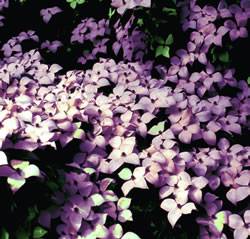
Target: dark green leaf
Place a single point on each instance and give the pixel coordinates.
(169, 11)
(22, 234)
(169, 40)
(32, 213)
(4, 234)
(140, 22)
(224, 57)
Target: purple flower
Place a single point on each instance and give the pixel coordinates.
(235, 31)
(230, 124)
(240, 226)
(175, 211)
(185, 128)
(223, 10)
(51, 46)
(4, 4)
(129, 4)
(240, 189)
(49, 12)
(137, 181)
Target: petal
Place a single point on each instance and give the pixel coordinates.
(231, 196)
(243, 32)
(3, 158)
(241, 233)
(209, 137)
(247, 216)
(193, 128)
(132, 159)
(185, 137)
(168, 204)
(242, 193)
(235, 128)
(144, 104)
(187, 208)
(195, 195)
(31, 171)
(141, 183)
(15, 184)
(127, 186)
(45, 219)
(184, 180)
(244, 179)
(174, 215)
(147, 117)
(127, 116)
(47, 17)
(214, 182)
(115, 164)
(223, 144)
(235, 221)
(130, 235)
(6, 171)
(115, 155)
(181, 196)
(165, 191)
(75, 220)
(199, 182)
(139, 172)
(115, 142)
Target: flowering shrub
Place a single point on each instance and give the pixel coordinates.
(94, 116)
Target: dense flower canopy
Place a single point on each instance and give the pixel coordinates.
(135, 122)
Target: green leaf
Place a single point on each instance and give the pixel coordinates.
(224, 57)
(39, 232)
(169, 11)
(100, 231)
(117, 231)
(157, 129)
(169, 40)
(140, 22)
(111, 12)
(97, 199)
(79, 134)
(125, 174)
(125, 215)
(162, 51)
(89, 170)
(123, 203)
(220, 220)
(248, 80)
(4, 234)
(73, 5)
(213, 58)
(15, 184)
(20, 164)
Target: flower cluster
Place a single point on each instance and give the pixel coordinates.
(192, 125)
(122, 6)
